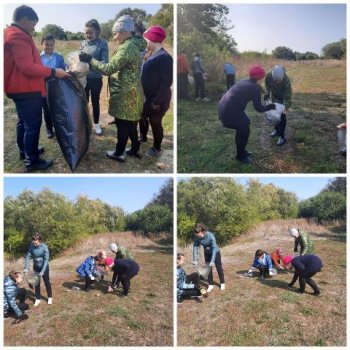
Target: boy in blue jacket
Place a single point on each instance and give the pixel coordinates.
(87, 270)
(11, 292)
(263, 263)
(50, 59)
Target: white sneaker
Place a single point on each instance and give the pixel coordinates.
(210, 288)
(205, 99)
(49, 301)
(274, 133)
(98, 130)
(222, 287)
(37, 302)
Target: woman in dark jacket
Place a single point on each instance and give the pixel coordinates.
(306, 266)
(233, 104)
(97, 48)
(157, 77)
(40, 254)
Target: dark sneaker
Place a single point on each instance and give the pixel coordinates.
(316, 293)
(6, 316)
(113, 155)
(20, 319)
(41, 150)
(244, 160)
(50, 134)
(248, 153)
(180, 301)
(131, 153)
(152, 152)
(281, 141)
(42, 164)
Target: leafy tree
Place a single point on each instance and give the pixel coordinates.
(54, 30)
(335, 50)
(165, 196)
(106, 30)
(284, 53)
(337, 185)
(135, 13)
(164, 17)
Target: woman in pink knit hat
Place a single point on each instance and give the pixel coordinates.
(232, 109)
(157, 77)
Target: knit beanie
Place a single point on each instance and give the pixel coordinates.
(155, 34)
(113, 247)
(287, 259)
(294, 232)
(109, 261)
(256, 72)
(277, 73)
(123, 24)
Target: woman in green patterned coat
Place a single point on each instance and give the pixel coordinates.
(126, 97)
(303, 240)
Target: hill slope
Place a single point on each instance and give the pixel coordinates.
(254, 313)
(77, 318)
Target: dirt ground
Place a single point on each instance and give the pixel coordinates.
(77, 318)
(251, 312)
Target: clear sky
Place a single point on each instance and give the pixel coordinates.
(303, 187)
(301, 27)
(131, 193)
(72, 17)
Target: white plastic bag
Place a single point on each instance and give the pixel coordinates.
(190, 79)
(274, 116)
(341, 132)
(80, 69)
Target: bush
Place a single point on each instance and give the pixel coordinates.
(283, 52)
(336, 50)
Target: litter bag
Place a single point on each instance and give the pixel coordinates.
(274, 116)
(80, 69)
(32, 278)
(70, 116)
(203, 271)
(341, 133)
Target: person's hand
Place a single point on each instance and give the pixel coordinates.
(21, 318)
(85, 57)
(41, 274)
(25, 271)
(60, 73)
(195, 263)
(266, 97)
(92, 278)
(271, 106)
(110, 289)
(212, 264)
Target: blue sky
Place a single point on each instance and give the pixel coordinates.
(301, 27)
(129, 193)
(72, 17)
(303, 187)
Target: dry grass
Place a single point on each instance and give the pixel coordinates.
(77, 318)
(254, 313)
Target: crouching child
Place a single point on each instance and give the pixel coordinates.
(262, 262)
(87, 270)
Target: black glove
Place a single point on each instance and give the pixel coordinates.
(266, 97)
(21, 318)
(271, 106)
(85, 57)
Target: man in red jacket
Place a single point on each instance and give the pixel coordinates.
(24, 79)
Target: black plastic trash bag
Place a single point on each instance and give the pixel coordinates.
(70, 116)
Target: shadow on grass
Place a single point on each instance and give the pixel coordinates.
(337, 236)
(100, 286)
(275, 283)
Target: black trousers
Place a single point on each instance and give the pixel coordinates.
(88, 283)
(281, 126)
(157, 129)
(182, 86)
(230, 80)
(46, 278)
(306, 279)
(126, 129)
(125, 281)
(218, 265)
(263, 270)
(242, 136)
(94, 87)
(47, 116)
(198, 85)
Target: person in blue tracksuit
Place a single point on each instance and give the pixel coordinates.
(88, 268)
(123, 271)
(11, 292)
(306, 266)
(50, 59)
(39, 252)
(262, 262)
(187, 285)
(230, 73)
(212, 254)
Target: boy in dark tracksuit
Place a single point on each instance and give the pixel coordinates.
(279, 89)
(123, 271)
(233, 104)
(306, 266)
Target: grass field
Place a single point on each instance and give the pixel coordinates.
(254, 313)
(318, 106)
(77, 318)
(95, 161)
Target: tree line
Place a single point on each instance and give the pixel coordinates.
(63, 222)
(230, 208)
(163, 17)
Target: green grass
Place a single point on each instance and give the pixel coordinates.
(318, 106)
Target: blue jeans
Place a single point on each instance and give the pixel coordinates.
(29, 113)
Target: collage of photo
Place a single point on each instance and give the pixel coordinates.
(174, 175)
